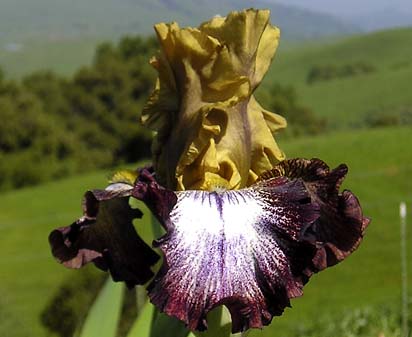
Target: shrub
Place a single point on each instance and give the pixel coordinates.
(328, 72)
(62, 126)
(389, 117)
(283, 101)
(68, 308)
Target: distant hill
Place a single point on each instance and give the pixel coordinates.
(24, 19)
(62, 35)
(369, 15)
(381, 19)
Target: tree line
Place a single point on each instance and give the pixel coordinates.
(52, 126)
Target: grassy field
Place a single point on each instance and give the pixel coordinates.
(28, 273)
(345, 102)
(380, 164)
(63, 56)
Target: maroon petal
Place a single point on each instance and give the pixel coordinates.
(227, 248)
(106, 236)
(341, 225)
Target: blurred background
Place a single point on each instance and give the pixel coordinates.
(74, 76)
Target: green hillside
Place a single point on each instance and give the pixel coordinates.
(345, 102)
(348, 101)
(48, 18)
(63, 56)
(380, 164)
(62, 35)
(28, 274)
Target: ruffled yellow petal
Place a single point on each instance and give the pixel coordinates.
(211, 132)
(265, 151)
(123, 176)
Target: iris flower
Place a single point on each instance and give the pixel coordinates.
(244, 227)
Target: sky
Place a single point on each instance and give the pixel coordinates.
(351, 7)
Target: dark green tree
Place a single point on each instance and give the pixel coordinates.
(62, 126)
(283, 101)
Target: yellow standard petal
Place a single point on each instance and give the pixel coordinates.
(211, 132)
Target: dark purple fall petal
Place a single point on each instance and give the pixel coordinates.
(106, 236)
(341, 225)
(159, 199)
(224, 248)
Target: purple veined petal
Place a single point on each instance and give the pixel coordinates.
(229, 248)
(105, 235)
(252, 249)
(341, 224)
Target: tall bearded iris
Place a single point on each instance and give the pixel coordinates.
(244, 227)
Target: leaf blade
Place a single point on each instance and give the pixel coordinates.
(103, 317)
(143, 323)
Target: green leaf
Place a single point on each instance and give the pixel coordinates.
(219, 324)
(144, 225)
(105, 313)
(157, 228)
(223, 332)
(142, 325)
(164, 325)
